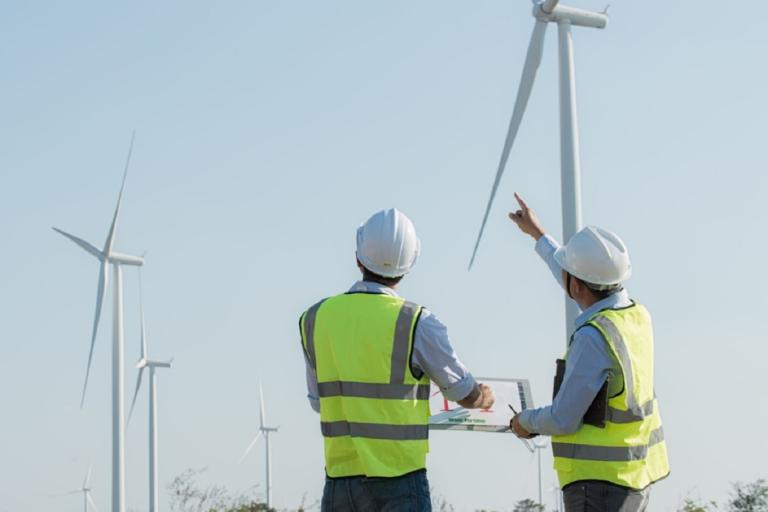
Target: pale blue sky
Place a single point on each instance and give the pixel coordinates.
(267, 131)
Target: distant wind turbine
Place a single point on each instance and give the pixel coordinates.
(539, 444)
(86, 490)
(108, 256)
(145, 362)
(263, 429)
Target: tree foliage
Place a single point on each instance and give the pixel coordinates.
(188, 495)
(528, 505)
(689, 505)
(752, 497)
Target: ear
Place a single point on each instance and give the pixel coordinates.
(577, 285)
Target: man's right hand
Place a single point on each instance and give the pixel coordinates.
(481, 397)
(526, 219)
(488, 398)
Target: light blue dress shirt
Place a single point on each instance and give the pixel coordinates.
(590, 363)
(432, 354)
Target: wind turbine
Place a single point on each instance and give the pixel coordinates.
(86, 490)
(546, 12)
(265, 431)
(539, 444)
(108, 256)
(145, 362)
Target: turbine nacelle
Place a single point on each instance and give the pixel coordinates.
(125, 259)
(559, 13)
(104, 254)
(149, 363)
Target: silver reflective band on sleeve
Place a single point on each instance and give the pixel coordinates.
(309, 332)
(370, 390)
(607, 453)
(375, 430)
(402, 341)
(619, 416)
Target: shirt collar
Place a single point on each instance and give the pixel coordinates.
(371, 287)
(617, 300)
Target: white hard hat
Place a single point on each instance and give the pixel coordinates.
(596, 256)
(387, 244)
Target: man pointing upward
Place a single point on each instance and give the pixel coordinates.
(607, 439)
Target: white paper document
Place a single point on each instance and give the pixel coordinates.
(447, 415)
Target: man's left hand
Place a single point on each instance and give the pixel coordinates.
(518, 429)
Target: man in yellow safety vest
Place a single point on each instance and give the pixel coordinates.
(370, 356)
(607, 438)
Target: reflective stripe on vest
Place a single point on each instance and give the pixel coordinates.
(607, 453)
(634, 411)
(374, 412)
(400, 351)
(630, 450)
(369, 390)
(309, 333)
(375, 430)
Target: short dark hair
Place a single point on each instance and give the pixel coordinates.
(376, 278)
(601, 292)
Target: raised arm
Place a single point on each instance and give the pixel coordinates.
(528, 222)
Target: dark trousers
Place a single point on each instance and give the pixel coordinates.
(596, 496)
(407, 493)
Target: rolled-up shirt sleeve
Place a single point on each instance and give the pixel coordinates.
(434, 356)
(589, 365)
(545, 248)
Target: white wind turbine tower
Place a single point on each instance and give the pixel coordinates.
(145, 362)
(263, 429)
(539, 444)
(108, 256)
(86, 490)
(546, 12)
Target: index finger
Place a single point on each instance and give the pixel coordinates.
(522, 203)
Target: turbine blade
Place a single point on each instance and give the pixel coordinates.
(136, 392)
(532, 61)
(250, 446)
(111, 236)
(261, 405)
(100, 294)
(87, 476)
(90, 500)
(82, 243)
(70, 493)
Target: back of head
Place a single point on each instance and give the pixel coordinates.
(596, 256)
(387, 244)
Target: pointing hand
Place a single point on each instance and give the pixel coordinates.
(526, 219)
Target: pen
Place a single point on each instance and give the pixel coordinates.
(513, 409)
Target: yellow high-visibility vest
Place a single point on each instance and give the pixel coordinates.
(630, 450)
(374, 412)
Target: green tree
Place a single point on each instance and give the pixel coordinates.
(528, 505)
(689, 505)
(439, 503)
(188, 495)
(752, 497)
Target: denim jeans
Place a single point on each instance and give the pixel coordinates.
(596, 496)
(407, 493)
